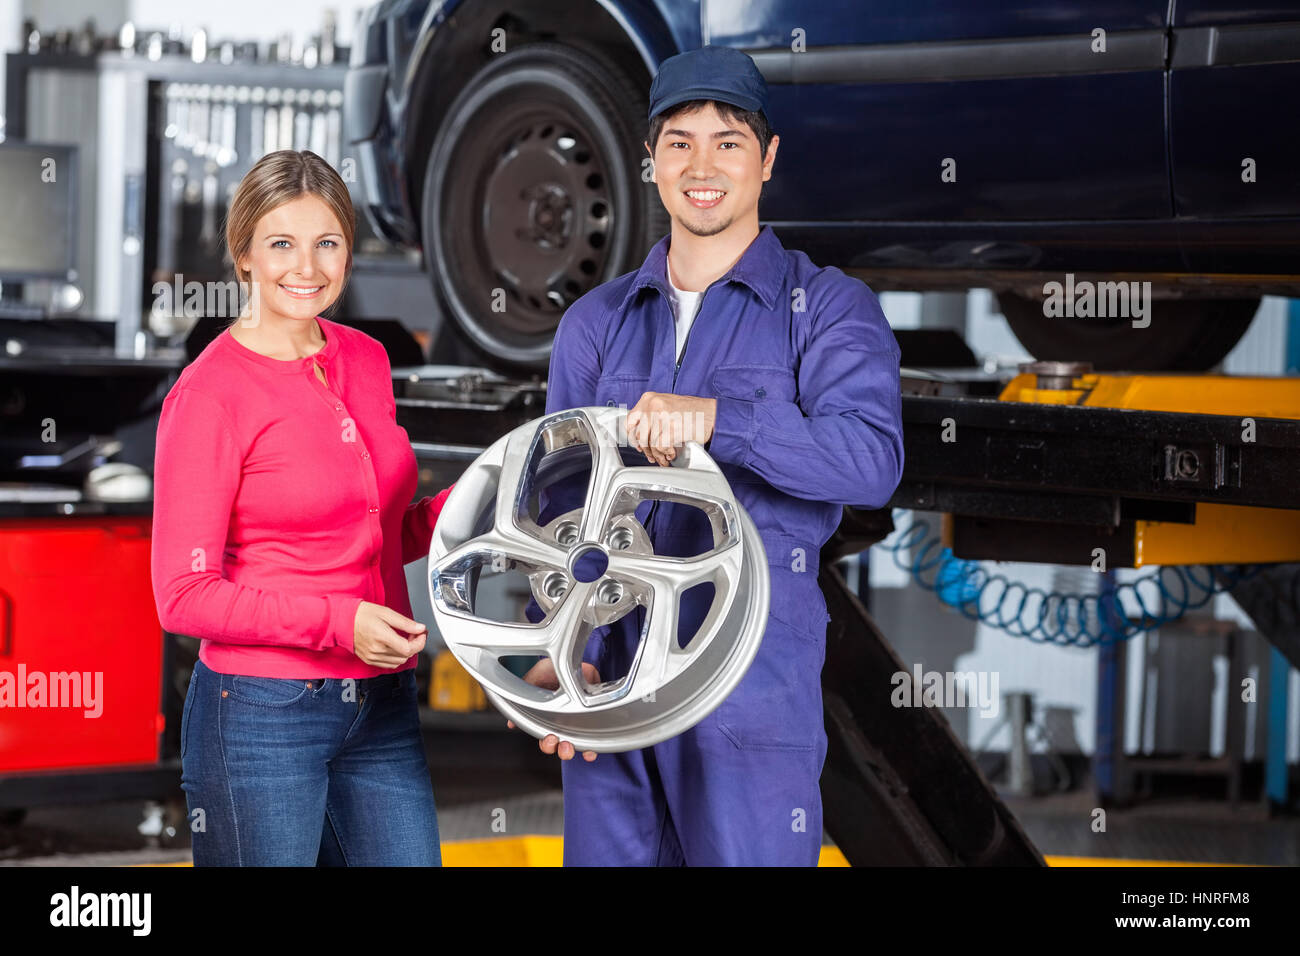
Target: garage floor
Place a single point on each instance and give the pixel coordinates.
(479, 770)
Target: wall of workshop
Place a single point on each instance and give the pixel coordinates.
(230, 19)
(248, 19)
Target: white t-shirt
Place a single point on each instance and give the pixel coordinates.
(685, 306)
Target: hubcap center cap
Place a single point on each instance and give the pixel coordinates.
(588, 563)
(550, 215)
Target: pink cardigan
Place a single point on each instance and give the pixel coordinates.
(281, 504)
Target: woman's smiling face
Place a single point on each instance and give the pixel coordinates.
(298, 260)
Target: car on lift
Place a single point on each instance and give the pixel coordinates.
(925, 144)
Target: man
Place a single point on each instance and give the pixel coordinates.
(788, 374)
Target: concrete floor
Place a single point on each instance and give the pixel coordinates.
(480, 769)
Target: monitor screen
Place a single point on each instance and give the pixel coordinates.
(37, 203)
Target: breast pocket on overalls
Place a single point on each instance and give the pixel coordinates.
(755, 383)
(620, 389)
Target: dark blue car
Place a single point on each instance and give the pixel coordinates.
(925, 144)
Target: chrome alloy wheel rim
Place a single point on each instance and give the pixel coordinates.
(589, 567)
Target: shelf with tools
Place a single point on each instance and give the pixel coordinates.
(209, 131)
(164, 175)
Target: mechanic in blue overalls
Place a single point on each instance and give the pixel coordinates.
(792, 373)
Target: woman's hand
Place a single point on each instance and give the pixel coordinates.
(542, 674)
(377, 636)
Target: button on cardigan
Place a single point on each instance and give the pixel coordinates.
(281, 503)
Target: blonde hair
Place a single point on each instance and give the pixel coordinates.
(278, 178)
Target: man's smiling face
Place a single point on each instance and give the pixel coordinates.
(710, 170)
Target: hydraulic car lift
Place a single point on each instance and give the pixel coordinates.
(1153, 469)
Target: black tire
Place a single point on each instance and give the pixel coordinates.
(533, 186)
(1185, 335)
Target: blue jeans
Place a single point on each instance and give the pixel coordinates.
(317, 771)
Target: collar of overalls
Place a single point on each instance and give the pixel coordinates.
(761, 267)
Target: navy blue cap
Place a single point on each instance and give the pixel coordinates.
(720, 73)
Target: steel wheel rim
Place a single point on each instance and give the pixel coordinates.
(499, 114)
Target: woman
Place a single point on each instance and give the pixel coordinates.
(282, 521)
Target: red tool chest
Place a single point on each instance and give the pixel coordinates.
(76, 598)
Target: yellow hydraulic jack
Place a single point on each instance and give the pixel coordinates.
(1221, 534)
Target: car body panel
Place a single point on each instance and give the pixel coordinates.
(1065, 157)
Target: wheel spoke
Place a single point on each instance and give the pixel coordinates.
(528, 548)
(674, 574)
(514, 466)
(607, 466)
(569, 625)
(568, 666)
(499, 552)
(652, 662)
(500, 638)
(686, 483)
(660, 659)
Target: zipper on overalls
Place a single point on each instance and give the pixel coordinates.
(686, 343)
(677, 367)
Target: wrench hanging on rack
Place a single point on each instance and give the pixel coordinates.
(285, 136)
(334, 129)
(302, 121)
(271, 135)
(257, 129)
(318, 124)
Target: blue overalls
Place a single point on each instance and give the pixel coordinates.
(805, 370)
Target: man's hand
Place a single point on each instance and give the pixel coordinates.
(377, 636)
(542, 674)
(661, 422)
